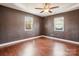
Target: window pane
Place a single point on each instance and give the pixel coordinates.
(59, 24)
(28, 23)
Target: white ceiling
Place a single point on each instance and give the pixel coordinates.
(30, 7)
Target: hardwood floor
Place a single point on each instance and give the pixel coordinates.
(41, 47)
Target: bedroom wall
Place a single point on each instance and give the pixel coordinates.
(12, 25)
(71, 20)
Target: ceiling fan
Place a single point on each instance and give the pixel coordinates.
(47, 8)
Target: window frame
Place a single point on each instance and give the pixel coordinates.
(25, 23)
(61, 21)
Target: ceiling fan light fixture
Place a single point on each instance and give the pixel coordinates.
(46, 10)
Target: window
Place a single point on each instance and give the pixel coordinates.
(59, 24)
(28, 24)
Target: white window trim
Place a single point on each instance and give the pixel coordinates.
(54, 24)
(27, 17)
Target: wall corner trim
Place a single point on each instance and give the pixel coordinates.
(18, 41)
(59, 39)
(49, 37)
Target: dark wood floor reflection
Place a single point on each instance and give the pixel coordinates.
(41, 47)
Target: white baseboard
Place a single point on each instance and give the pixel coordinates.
(59, 39)
(22, 40)
(18, 41)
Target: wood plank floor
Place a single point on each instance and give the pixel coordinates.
(41, 47)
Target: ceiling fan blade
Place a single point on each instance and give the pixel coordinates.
(54, 7)
(38, 8)
(50, 11)
(41, 11)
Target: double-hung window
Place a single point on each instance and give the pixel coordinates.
(59, 24)
(28, 23)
